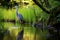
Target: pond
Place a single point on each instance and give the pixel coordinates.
(15, 28)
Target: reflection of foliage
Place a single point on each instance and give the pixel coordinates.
(3, 32)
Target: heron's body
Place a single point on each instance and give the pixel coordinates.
(19, 16)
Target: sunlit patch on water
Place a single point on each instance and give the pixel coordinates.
(28, 36)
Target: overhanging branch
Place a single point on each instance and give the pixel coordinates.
(36, 2)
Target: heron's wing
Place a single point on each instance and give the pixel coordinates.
(20, 16)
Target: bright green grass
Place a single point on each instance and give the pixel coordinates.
(28, 13)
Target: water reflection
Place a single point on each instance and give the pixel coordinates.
(14, 29)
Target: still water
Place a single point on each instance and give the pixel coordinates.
(15, 28)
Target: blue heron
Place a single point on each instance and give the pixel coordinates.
(19, 15)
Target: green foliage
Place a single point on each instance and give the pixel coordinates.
(29, 15)
(58, 18)
(54, 3)
(1, 15)
(57, 0)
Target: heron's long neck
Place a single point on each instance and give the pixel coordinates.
(16, 9)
